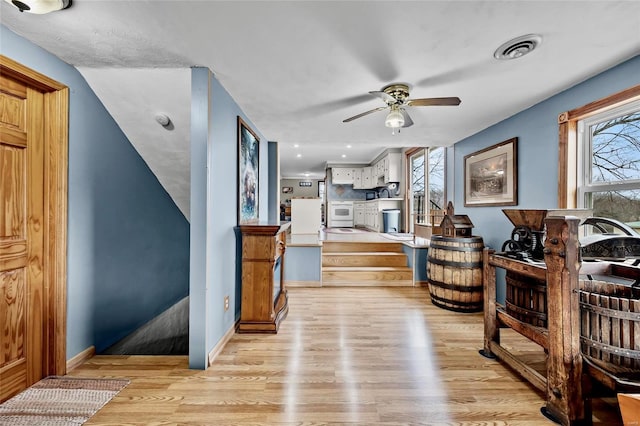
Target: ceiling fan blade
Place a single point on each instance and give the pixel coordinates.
(384, 96)
(363, 114)
(434, 101)
(408, 122)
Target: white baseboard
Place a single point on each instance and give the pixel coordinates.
(81, 358)
(221, 344)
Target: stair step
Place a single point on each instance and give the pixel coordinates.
(355, 246)
(364, 259)
(366, 276)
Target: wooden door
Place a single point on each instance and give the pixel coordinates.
(22, 281)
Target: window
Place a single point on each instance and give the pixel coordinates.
(599, 158)
(609, 164)
(426, 177)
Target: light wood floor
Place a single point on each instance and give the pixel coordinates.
(343, 356)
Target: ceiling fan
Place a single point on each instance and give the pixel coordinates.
(396, 96)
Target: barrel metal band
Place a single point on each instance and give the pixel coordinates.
(471, 239)
(613, 313)
(537, 286)
(461, 306)
(526, 312)
(474, 265)
(454, 248)
(468, 289)
(613, 350)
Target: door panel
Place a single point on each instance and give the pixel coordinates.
(22, 298)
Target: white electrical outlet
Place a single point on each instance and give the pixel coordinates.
(226, 303)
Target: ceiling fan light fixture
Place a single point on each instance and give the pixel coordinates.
(39, 7)
(394, 119)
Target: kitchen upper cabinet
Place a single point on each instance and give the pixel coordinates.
(388, 168)
(377, 171)
(358, 183)
(367, 178)
(343, 175)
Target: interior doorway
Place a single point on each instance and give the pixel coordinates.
(33, 237)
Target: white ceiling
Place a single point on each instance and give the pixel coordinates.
(298, 68)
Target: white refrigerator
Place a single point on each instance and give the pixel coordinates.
(305, 215)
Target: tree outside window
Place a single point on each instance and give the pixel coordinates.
(611, 182)
(427, 168)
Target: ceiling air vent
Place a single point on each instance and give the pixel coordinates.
(518, 47)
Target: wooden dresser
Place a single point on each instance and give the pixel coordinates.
(264, 297)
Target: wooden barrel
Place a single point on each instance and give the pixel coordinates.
(526, 299)
(610, 327)
(454, 271)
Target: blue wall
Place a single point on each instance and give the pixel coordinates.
(537, 131)
(303, 263)
(214, 210)
(127, 241)
(419, 256)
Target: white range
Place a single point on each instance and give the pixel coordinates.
(341, 214)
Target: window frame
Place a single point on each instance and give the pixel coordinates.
(585, 184)
(568, 145)
(409, 154)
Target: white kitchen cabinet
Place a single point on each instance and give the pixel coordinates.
(367, 178)
(373, 212)
(378, 170)
(370, 214)
(358, 213)
(343, 175)
(358, 182)
(388, 168)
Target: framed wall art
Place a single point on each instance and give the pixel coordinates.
(248, 173)
(491, 175)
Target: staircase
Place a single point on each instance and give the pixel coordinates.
(364, 264)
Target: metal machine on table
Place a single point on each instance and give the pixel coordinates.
(590, 264)
(602, 239)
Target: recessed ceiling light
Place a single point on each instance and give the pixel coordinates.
(296, 145)
(518, 47)
(349, 146)
(344, 155)
(306, 174)
(299, 155)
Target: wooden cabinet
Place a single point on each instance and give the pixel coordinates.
(264, 297)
